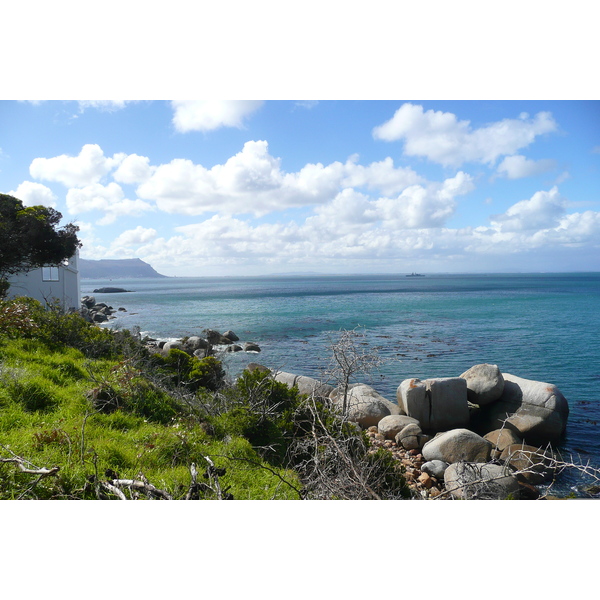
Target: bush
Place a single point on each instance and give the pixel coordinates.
(27, 318)
(189, 371)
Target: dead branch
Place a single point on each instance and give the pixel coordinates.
(138, 485)
(20, 462)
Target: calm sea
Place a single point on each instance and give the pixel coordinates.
(538, 326)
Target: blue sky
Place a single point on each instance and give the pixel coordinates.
(258, 187)
(413, 145)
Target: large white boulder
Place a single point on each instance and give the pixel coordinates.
(537, 410)
(364, 405)
(457, 445)
(392, 424)
(480, 481)
(305, 385)
(438, 404)
(485, 384)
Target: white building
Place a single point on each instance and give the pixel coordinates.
(48, 284)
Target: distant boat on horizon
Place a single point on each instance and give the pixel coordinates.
(416, 275)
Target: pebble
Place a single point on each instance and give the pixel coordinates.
(421, 484)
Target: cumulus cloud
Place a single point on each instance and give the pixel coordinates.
(75, 171)
(33, 194)
(133, 169)
(206, 115)
(424, 206)
(518, 166)
(109, 199)
(134, 237)
(253, 182)
(442, 138)
(543, 210)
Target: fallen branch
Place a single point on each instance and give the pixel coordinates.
(20, 462)
(137, 485)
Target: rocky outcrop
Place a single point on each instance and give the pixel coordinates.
(96, 312)
(537, 411)
(110, 290)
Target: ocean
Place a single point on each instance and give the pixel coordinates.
(537, 326)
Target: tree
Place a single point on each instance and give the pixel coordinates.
(350, 356)
(30, 238)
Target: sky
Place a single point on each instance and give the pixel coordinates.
(316, 137)
(209, 187)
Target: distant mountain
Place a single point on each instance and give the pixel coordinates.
(126, 268)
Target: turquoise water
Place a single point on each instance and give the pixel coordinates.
(541, 326)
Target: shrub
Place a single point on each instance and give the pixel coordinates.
(192, 372)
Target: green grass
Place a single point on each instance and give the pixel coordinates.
(48, 417)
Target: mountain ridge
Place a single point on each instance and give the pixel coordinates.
(123, 268)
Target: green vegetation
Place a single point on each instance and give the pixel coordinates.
(86, 413)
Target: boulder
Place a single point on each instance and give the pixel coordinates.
(195, 342)
(231, 336)
(308, 385)
(533, 464)
(457, 445)
(484, 384)
(175, 344)
(501, 438)
(412, 399)
(250, 347)
(435, 468)
(288, 378)
(480, 481)
(257, 367)
(409, 437)
(365, 406)
(305, 385)
(393, 424)
(215, 338)
(234, 348)
(438, 404)
(88, 301)
(537, 410)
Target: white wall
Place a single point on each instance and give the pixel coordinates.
(66, 289)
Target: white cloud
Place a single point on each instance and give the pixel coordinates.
(424, 207)
(381, 175)
(134, 237)
(518, 166)
(253, 182)
(103, 105)
(108, 199)
(75, 171)
(133, 169)
(543, 210)
(206, 115)
(442, 138)
(33, 194)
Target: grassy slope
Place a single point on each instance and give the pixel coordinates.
(47, 418)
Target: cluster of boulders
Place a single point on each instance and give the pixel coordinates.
(484, 434)
(97, 312)
(205, 346)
